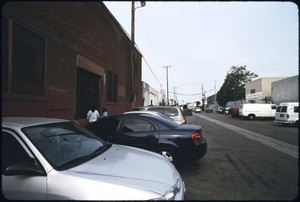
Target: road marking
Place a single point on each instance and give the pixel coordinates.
(281, 146)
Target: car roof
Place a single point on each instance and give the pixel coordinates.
(163, 106)
(20, 122)
(142, 112)
(147, 113)
(159, 117)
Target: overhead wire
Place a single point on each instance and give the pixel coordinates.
(150, 39)
(158, 61)
(152, 71)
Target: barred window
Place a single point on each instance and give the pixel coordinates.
(111, 87)
(27, 61)
(88, 92)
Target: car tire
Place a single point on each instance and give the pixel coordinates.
(168, 153)
(251, 116)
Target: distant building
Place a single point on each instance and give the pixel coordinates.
(285, 90)
(162, 97)
(152, 96)
(259, 91)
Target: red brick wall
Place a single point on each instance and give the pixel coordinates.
(72, 29)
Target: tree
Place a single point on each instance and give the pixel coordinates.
(233, 86)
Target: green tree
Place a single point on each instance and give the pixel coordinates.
(233, 86)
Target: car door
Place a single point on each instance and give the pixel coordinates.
(137, 132)
(105, 127)
(30, 185)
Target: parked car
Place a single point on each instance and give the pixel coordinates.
(287, 113)
(226, 111)
(174, 112)
(197, 109)
(234, 112)
(149, 112)
(139, 109)
(254, 110)
(174, 141)
(220, 110)
(186, 111)
(55, 159)
(209, 110)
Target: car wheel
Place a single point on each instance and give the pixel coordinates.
(169, 153)
(251, 116)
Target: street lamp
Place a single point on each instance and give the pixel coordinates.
(132, 96)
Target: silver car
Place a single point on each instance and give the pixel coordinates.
(55, 159)
(174, 112)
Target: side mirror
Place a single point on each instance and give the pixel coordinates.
(24, 168)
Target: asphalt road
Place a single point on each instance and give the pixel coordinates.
(246, 160)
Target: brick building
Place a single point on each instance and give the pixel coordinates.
(61, 58)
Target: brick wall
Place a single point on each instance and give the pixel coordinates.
(72, 29)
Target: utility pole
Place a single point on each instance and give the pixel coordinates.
(174, 94)
(215, 93)
(203, 99)
(132, 55)
(167, 67)
(132, 93)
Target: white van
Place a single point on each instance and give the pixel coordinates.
(287, 113)
(253, 110)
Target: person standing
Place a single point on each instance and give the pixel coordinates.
(92, 115)
(104, 112)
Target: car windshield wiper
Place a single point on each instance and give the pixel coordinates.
(100, 150)
(85, 158)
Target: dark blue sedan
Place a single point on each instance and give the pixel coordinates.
(155, 133)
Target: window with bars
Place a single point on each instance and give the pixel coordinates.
(26, 74)
(88, 92)
(111, 87)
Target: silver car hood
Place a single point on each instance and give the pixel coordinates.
(131, 167)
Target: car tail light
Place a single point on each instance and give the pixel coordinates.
(196, 136)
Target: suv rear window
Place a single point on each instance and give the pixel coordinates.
(283, 108)
(278, 109)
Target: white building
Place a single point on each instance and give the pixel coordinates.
(259, 91)
(285, 90)
(152, 96)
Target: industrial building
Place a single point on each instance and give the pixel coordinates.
(60, 58)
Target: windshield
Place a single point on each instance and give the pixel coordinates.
(65, 144)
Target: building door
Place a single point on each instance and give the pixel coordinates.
(88, 92)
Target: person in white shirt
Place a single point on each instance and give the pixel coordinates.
(92, 115)
(104, 113)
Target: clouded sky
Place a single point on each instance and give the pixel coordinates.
(202, 40)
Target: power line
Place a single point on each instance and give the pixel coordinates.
(193, 94)
(150, 39)
(152, 72)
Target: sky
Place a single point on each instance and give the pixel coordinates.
(201, 41)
